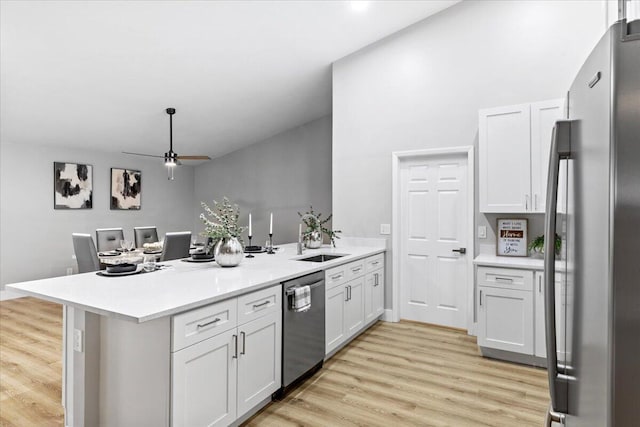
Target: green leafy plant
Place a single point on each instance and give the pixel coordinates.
(224, 220)
(314, 226)
(537, 244)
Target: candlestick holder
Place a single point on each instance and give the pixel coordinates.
(270, 248)
(249, 255)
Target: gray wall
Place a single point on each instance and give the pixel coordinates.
(422, 88)
(283, 174)
(36, 239)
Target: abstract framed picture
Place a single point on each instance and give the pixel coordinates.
(125, 189)
(72, 186)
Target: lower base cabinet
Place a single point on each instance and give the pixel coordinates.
(218, 380)
(354, 298)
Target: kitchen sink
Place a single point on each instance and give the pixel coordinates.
(320, 257)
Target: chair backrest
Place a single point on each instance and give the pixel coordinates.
(85, 253)
(176, 245)
(109, 238)
(144, 235)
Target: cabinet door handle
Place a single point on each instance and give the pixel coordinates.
(336, 276)
(357, 269)
(346, 293)
(261, 304)
(539, 284)
(202, 325)
(375, 263)
(480, 297)
(244, 344)
(504, 279)
(376, 280)
(526, 202)
(235, 346)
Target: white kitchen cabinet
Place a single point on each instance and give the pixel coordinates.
(334, 318)
(505, 319)
(505, 309)
(259, 360)
(513, 150)
(540, 345)
(203, 382)
(353, 299)
(354, 306)
(374, 295)
(221, 377)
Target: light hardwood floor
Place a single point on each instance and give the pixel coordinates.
(395, 374)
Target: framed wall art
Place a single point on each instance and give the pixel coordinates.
(125, 189)
(72, 186)
(512, 237)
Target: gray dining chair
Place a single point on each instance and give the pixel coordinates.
(86, 254)
(176, 245)
(144, 235)
(109, 238)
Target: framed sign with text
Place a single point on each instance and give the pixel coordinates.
(512, 237)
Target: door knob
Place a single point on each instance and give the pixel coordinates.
(461, 250)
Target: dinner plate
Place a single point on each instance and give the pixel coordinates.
(108, 254)
(198, 260)
(125, 273)
(254, 249)
(149, 252)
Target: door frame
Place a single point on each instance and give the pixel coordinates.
(396, 158)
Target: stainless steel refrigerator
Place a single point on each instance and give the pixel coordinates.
(593, 204)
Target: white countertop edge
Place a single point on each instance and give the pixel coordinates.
(367, 251)
(509, 262)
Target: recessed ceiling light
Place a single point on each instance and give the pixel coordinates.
(359, 5)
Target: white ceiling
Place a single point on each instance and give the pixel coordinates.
(100, 74)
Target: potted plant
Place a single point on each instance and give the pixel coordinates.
(223, 231)
(536, 247)
(313, 234)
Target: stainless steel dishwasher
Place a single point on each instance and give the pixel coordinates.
(303, 342)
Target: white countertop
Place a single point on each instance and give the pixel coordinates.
(183, 286)
(510, 262)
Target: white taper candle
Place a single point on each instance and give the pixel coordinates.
(271, 224)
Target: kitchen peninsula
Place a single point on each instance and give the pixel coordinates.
(124, 336)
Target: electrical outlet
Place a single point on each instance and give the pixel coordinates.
(69, 271)
(385, 228)
(482, 232)
(77, 341)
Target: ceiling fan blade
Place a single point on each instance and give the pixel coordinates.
(194, 158)
(146, 155)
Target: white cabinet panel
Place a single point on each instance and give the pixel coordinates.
(373, 295)
(543, 117)
(354, 306)
(334, 318)
(505, 166)
(540, 347)
(505, 319)
(259, 357)
(203, 383)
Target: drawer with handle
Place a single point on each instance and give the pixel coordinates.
(259, 303)
(202, 323)
(374, 262)
(355, 269)
(335, 276)
(508, 278)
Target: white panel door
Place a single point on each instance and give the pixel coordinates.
(354, 306)
(259, 360)
(433, 212)
(543, 117)
(334, 319)
(505, 319)
(203, 382)
(504, 159)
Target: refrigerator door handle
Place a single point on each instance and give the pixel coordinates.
(560, 149)
(554, 417)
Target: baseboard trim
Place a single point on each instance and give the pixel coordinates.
(388, 315)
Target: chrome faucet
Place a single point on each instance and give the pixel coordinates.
(300, 245)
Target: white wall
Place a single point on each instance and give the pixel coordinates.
(36, 239)
(283, 174)
(422, 88)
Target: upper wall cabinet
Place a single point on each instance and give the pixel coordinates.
(514, 144)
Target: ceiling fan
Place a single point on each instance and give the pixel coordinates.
(171, 158)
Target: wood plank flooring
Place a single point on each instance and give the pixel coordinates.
(410, 374)
(395, 374)
(30, 363)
